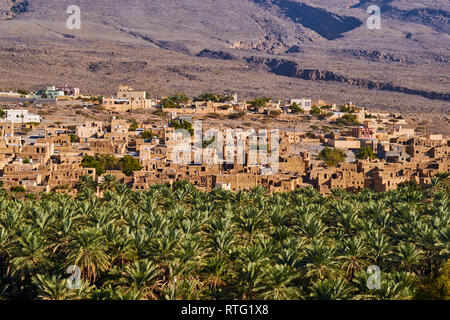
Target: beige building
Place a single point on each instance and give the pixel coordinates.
(345, 143)
(127, 99)
(90, 129)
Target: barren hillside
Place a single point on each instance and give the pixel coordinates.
(321, 49)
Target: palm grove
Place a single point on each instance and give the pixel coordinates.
(225, 245)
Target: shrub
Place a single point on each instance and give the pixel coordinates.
(175, 101)
(18, 189)
(259, 102)
(296, 108)
(101, 163)
(332, 157)
(147, 135)
(237, 115)
(348, 119)
(184, 125)
(365, 153)
(160, 113)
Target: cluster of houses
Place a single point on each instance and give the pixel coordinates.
(20, 116)
(52, 161)
(56, 92)
(52, 158)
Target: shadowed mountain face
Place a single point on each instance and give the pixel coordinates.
(317, 48)
(436, 18)
(329, 25)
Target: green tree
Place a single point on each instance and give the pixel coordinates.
(175, 101)
(88, 251)
(436, 286)
(18, 189)
(87, 182)
(133, 125)
(366, 153)
(332, 157)
(73, 138)
(183, 125)
(147, 135)
(142, 275)
(207, 96)
(259, 102)
(348, 119)
(330, 289)
(129, 164)
(296, 108)
(315, 111)
(101, 163)
(225, 245)
(109, 182)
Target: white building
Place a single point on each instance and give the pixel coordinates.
(53, 93)
(10, 94)
(305, 104)
(235, 99)
(21, 116)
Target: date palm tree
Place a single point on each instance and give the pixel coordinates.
(52, 288)
(6, 244)
(280, 284)
(250, 280)
(109, 182)
(380, 249)
(86, 182)
(329, 289)
(353, 255)
(320, 261)
(140, 275)
(223, 245)
(408, 256)
(88, 251)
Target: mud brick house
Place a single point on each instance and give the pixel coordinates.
(296, 164)
(389, 178)
(425, 147)
(68, 175)
(238, 181)
(282, 183)
(104, 146)
(6, 129)
(38, 152)
(345, 143)
(10, 145)
(90, 129)
(128, 99)
(346, 176)
(54, 163)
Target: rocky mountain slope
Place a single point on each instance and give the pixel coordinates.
(11, 8)
(317, 48)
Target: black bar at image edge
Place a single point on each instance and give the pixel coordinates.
(225, 309)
